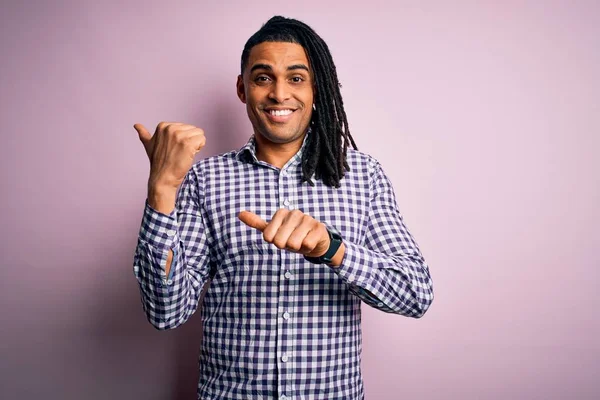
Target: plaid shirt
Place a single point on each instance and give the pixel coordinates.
(274, 325)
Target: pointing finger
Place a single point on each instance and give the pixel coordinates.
(252, 220)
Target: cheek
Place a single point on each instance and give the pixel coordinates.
(251, 111)
(309, 101)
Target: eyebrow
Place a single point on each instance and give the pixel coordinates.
(269, 68)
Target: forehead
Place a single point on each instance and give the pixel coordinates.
(277, 54)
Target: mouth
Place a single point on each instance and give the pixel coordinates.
(279, 115)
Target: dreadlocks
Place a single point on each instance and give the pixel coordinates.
(327, 144)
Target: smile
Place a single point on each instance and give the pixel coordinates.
(281, 112)
(279, 115)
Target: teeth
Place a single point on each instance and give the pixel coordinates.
(280, 113)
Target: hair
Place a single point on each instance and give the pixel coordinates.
(327, 144)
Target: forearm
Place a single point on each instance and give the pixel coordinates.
(170, 273)
(398, 284)
(169, 295)
(163, 199)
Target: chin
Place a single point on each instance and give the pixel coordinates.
(281, 137)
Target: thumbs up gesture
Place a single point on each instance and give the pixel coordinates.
(171, 152)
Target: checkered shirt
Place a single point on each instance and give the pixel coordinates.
(276, 326)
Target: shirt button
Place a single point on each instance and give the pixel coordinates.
(284, 358)
(284, 397)
(170, 282)
(286, 202)
(288, 275)
(286, 315)
(171, 232)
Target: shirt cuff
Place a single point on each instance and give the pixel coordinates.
(159, 230)
(355, 266)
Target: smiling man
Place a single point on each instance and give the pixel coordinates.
(290, 233)
(279, 112)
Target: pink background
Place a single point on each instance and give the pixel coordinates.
(486, 116)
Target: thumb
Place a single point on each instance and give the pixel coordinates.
(143, 133)
(253, 220)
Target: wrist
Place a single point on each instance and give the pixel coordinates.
(162, 199)
(334, 254)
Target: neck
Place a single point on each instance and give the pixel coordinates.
(276, 154)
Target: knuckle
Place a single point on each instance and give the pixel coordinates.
(281, 212)
(310, 243)
(178, 139)
(267, 235)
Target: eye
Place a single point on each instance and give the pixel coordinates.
(297, 79)
(262, 79)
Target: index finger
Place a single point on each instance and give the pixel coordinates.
(253, 220)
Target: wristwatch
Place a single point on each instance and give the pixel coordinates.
(335, 241)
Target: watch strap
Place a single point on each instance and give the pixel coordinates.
(335, 241)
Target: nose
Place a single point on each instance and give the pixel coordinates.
(279, 92)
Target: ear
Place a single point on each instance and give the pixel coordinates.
(241, 89)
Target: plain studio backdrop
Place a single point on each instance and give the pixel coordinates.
(485, 115)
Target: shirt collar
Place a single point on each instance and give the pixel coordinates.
(248, 151)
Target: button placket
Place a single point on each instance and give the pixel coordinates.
(286, 200)
(285, 327)
(281, 330)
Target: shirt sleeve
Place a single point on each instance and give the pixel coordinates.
(169, 301)
(388, 272)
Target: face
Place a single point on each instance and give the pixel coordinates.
(277, 88)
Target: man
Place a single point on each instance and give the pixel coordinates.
(292, 231)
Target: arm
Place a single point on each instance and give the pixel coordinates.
(170, 295)
(163, 201)
(388, 272)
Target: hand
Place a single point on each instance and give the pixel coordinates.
(171, 152)
(291, 230)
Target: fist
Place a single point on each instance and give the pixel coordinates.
(291, 230)
(171, 151)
